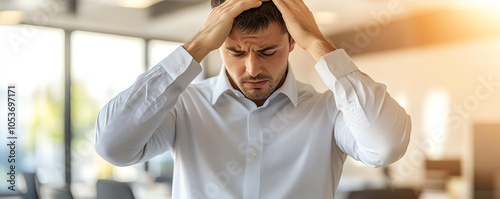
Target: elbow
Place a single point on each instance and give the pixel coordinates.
(112, 156)
(110, 142)
(392, 150)
(390, 156)
(383, 157)
(110, 149)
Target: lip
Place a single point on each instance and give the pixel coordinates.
(256, 84)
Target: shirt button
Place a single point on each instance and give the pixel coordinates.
(253, 155)
(180, 66)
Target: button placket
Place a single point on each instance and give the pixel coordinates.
(251, 185)
(253, 154)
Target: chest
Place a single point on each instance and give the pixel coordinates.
(232, 131)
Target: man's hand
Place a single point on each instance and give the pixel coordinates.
(303, 28)
(217, 27)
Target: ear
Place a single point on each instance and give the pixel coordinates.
(292, 44)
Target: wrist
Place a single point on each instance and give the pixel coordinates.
(320, 48)
(196, 50)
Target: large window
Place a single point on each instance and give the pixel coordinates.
(32, 58)
(158, 50)
(102, 66)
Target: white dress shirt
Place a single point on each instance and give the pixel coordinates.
(224, 146)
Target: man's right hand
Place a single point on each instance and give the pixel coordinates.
(217, 27)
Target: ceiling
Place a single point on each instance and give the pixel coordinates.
(178, 20)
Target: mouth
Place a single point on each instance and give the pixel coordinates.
(255, 84)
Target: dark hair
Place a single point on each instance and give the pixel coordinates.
(256, 19)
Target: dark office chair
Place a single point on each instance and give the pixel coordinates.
(109, 189)
(59, 193)
(384, 194)
(32, 186)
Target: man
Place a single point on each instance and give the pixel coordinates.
(254, 131)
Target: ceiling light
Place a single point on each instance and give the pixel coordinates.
(137, 3)
(11, 17)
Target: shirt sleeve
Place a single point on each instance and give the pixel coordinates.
(370, 125)
(139, 123)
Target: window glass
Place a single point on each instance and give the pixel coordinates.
(32, 60)
(102, 66)
(158, 50)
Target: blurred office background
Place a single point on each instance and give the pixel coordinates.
(440, 59)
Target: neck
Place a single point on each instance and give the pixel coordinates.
(259, 103)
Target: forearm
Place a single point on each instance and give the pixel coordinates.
(320, 47)
(197, 49)
(120, 136)
(378, 126)
(129, 121)
(371, 126)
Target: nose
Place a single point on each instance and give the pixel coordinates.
(253, 66)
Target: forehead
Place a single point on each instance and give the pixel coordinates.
(272, 35)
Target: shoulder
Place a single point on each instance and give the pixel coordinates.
(307, 94)
(200, 89)
(204, 84)
(305, 91)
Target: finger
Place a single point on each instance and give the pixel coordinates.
(284, 7)
(243, 3)
(284, 3)
(279, 3)
(236, 7)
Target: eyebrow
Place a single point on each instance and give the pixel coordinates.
(273, 47)
(233, 49)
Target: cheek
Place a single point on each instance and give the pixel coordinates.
(278, 63)
(233, 66)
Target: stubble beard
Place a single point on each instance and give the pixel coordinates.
(257, 94)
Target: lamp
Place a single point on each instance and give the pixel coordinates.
(11, 17)
(10, 14)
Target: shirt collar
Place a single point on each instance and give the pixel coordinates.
(289, 87)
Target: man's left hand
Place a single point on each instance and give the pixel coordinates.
(303, 28)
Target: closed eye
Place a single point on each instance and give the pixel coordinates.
(236, 53)
(268, 53)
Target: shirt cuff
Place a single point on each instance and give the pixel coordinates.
(180, 62)
(334, 66)
(165, 82)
